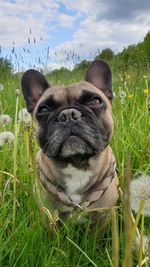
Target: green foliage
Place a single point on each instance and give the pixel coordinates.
(147, 45)
(83, 65)
(5, 67)
(106, 54)
(131, 58)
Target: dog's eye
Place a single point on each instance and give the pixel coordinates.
(43, 109)
(96, 101)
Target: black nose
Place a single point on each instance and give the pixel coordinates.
(69, 114)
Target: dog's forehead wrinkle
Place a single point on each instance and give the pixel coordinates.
(78, 89)
(72, 92)
(57, 92)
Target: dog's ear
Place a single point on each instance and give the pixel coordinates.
(33, 85)
(99, 74)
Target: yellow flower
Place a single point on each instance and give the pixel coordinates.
(130, 95)
(146, 91)
(128, 76)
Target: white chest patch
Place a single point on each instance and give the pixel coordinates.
(75, 180)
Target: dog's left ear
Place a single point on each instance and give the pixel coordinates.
(99, 74)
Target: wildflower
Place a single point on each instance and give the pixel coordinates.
(1, 87)
(5, 119)
(24, 116)
(122, 94)
(140, 190)
(6, 137)
(146, 91)
(130, 95)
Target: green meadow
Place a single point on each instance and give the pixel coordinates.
(24, 241)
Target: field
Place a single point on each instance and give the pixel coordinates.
(23, 239)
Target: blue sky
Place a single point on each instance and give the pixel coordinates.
(55, 33)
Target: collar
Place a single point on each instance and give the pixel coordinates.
(91, 195)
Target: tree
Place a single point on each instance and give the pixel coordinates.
(147, 45)
(5, 66)
(83, 65)
(106, 54)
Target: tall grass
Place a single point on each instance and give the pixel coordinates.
(23, 239)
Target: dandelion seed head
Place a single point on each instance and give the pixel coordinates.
(24, 116)
(1, 87)
(17, 92)
(6, 137)
(5, 119)
(122, 94)
(140, 190)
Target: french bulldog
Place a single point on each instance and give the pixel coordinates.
(73, 127)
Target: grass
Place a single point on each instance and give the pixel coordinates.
(23, 239)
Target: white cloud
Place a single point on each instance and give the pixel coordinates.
(99, 29)
(16, 19)
(66, 20)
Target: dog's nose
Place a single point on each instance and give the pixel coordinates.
(69, 114)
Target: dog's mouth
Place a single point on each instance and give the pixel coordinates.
(71, 147)
(75, 147)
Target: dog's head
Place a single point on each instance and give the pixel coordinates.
(75, 121)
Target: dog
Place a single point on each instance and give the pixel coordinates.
(73, 127)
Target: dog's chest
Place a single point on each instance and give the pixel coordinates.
(75, 181)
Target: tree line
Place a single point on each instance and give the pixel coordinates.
(134, 57)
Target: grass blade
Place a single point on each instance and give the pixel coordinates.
(73, 243)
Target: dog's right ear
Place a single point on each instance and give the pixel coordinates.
(33, 86)
(99, 74)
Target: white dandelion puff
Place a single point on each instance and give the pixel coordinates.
(140, 190)
(6, 137)
(1, 87)
(122, 94)
(17, 92)
(5, 119)
(24, 116)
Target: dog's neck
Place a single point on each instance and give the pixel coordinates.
(53, 168)
(73, 181)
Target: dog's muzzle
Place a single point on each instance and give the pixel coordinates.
(74, 144)
(74, 133)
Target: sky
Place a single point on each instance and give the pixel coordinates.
(54, 33)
